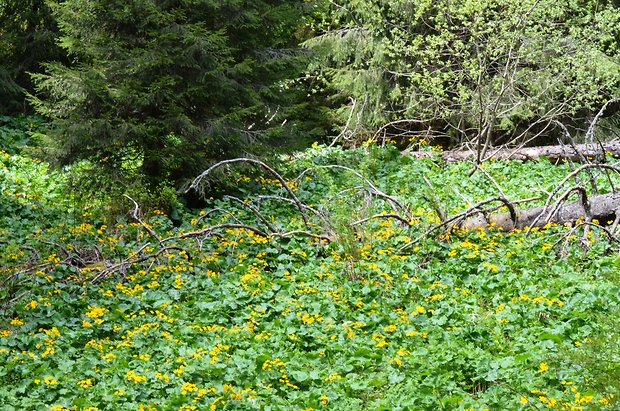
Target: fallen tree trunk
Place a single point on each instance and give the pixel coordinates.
(603, 207)
(553, 153)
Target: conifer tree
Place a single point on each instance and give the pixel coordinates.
(169, 86)
(28, 35)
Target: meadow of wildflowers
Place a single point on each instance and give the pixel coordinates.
(233, 320)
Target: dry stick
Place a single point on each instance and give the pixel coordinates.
(564, 197)
(218, 209)
(564, 181)
(610, 234)
(583, 159)
(123, 264)
(208, 231)
(393, 123)
(303, 233)
(396, 216)
(590, 133)
(288, 200)
(604, 160)
(346, 126)
(487, 175)
(15, 299)
(255, 211)
(473, 210)
(256, 163)
(108, 270)
(136, 216)
(616, 220)
(64, 250)
(436, 203)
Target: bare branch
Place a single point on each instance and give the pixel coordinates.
(257, 163)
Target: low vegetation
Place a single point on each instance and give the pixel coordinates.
(111, 313)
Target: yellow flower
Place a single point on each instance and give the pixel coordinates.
(523, 400)
(188, 387)
(95, 312)
(324, 399)
(87, 383)
(136, 378)
(543, 367)
(50, 381)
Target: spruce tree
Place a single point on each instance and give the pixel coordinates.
(162, 88)
(28, 35)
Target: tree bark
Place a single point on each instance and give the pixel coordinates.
(553, 153)
(602, 207)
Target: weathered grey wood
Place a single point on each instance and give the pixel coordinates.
(553, 153)
(603, 207)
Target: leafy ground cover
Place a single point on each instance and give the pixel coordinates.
(234, 320)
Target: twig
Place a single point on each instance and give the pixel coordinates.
(373, 189)
(473, 210)
(257, 163)
(435, 203)
(395, 216)
(135, 214)
(253, 210)
(565, 180)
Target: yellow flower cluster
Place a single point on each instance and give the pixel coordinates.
(135, 378)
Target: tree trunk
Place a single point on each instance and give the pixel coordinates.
(602, 207)
(553, 153)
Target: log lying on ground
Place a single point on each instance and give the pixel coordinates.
(603, 207)
(553, 153)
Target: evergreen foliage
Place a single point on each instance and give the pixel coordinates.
(28, 34)
(162, 88)
(488, 70)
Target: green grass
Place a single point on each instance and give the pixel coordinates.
(476, 320)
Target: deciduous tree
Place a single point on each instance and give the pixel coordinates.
(481, 70)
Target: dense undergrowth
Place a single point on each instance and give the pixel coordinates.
(471, 320)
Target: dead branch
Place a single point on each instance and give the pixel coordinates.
(255, 211)
(395, 216)
(209, 231)
(257, 163)
(373, 190)
(436, 204)
(563, 182)
(453, 221)
(590, 133)
(135, 214)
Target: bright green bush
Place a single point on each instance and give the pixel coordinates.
(482, 70)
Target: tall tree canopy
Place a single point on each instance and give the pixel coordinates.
(170, 85)
(483, 70)
(28, 35)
